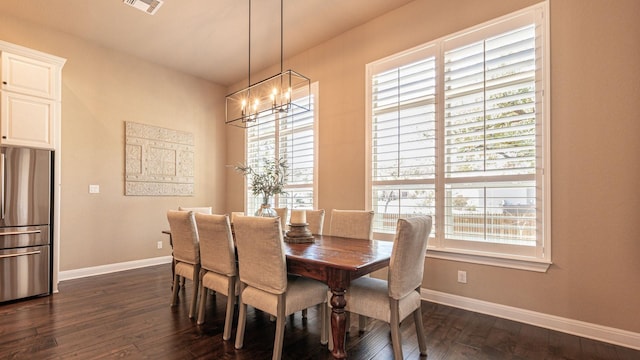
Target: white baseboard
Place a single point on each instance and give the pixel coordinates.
(109, 268)
(580, 328)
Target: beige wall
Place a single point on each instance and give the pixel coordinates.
(595, 77)
(101, 90)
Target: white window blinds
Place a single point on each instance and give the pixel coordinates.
(403, 147)
(291, 138)
(297, 145)
(458, 131)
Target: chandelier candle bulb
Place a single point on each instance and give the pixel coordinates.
(298, 217)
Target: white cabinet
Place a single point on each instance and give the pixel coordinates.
(29, 97)
(28, 76)
(27, 120)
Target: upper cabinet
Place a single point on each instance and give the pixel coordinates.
(30, 97)
(29, 76)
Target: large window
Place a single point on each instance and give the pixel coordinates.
(291, 138)
(459, 130)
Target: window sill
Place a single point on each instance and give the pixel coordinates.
(528, 265)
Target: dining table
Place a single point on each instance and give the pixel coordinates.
(336, 261)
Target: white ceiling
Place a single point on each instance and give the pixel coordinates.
(205, 38)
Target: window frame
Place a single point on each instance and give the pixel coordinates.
(250, 199)
(438, 246)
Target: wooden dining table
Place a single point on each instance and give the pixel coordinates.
(336, 261)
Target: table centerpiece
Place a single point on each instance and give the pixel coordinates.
(267, 183)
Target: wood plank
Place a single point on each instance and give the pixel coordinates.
(127, 315)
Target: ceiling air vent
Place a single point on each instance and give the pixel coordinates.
(148, 6)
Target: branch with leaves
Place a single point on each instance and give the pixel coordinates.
(270, 181)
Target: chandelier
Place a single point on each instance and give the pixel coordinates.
(280, 95)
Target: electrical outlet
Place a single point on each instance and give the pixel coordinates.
(462, 276)
(94, 189)
(160, 244)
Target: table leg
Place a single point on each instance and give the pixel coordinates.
(338, 323)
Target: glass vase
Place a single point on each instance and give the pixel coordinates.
(265, 209)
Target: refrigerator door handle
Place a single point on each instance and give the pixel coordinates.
(5, 233)
(20, 254)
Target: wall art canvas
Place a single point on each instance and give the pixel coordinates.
(159, 161)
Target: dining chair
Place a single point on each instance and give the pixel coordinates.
(355, 224)
(315, 219)
(186, 253)
(235, 214)
(218, 270)
(282, 213)
(264, 283)
(199, 209)
(399, 296)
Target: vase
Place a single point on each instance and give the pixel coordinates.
(266, 210)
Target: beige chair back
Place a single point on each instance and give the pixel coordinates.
(282, 213)
(407, 257)
(236, 214)
(261, 256)
(355, 224)
(184, 235)
(200, 209)
(315, 219)
(217, 251)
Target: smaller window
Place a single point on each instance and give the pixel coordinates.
(292, 138)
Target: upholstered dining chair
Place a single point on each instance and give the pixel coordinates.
(235, 214)
(355, 224)
(398, 297)
(186, 253)
(282, 213)
(263, 279)
(218, 270)
(199, 209)
(315, 219)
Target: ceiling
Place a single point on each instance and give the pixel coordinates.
(204, 38)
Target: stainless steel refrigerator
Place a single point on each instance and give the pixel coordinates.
(25, 217)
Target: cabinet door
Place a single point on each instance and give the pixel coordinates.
(26, 120)
(28, 76)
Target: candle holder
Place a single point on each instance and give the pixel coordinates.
(298, 233)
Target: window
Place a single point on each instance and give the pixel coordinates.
(291, 138)
(458, 129)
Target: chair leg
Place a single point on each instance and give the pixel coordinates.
(362, 322)
(422, 340)
(329, 332)
(280, 320)
(242, 318)
(203, 304)
(176, 288)
(348, 324)
(194, 298)
(396, 340)
(324, 333)
(304, 313)
(228, 319)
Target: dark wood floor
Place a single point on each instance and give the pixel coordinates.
(127, 315)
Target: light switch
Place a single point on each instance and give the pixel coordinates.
(94, 189)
